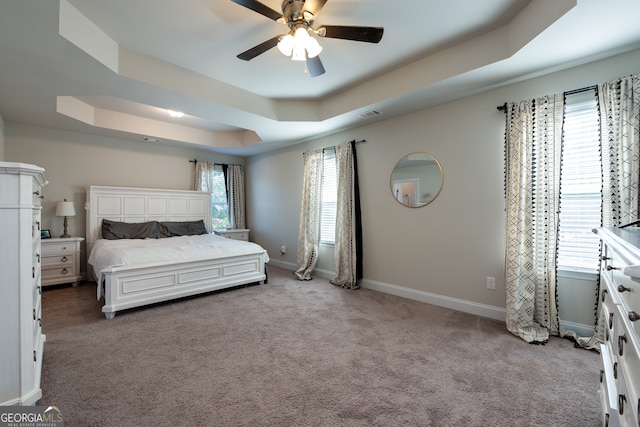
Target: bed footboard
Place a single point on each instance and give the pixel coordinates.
(127, 287)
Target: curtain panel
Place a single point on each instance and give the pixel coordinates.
(348, 253)
(533, 148)
(619, 103)
(203, 177)
(236, 196)
(310, 214)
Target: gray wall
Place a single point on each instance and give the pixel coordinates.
(73, 161)
(443, 252)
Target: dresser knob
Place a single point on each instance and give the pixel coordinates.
(610, 320)
(604, 294)
(622, 288)
(64, 271)
(611, 267)
(615, 370)
(621, 401)
(633, 316)
(37, 193)
(605, 258)
(64, 259)
(35, 358)
(621, 340)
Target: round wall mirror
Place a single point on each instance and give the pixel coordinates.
(416, 180)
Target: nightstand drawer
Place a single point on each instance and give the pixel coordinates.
(58, 248)
(58, 260)
(55, 273)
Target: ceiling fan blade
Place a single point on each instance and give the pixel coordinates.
(248, 55)
(359, 34)
(314, 7)
(314, 66)
(256, 6)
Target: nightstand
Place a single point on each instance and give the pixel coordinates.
(235, 234)
(61, 260)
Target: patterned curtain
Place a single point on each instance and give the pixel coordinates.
(620, 134)
(347, 218)
(533, 148)
(203, 177)
(235, 196)
(619, 102)
(310, 214)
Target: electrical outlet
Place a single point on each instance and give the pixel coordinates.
(283, 250)
(491, 282)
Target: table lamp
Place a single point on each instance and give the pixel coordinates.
(65, 209)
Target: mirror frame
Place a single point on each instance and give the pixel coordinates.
(391, 180)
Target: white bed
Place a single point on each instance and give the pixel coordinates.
(191, 265)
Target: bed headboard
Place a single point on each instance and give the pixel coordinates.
(143, 204)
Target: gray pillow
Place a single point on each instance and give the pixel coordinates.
(114, 230)
(181, 228)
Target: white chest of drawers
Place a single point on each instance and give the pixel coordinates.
(620, 354)
(61, 261)
(21, 335)
(235, 234)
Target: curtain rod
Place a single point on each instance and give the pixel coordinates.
(503, 107)
(357, 142)
(195, 161)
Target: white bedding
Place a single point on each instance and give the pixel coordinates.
(112, 253)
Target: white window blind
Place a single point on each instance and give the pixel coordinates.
(329, 198)
(580, 184)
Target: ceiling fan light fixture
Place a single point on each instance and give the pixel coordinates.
(299, 46)
(286, 44)
(313, 47)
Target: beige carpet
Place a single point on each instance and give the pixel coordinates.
(293, 353)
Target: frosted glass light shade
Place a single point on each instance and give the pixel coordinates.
(285, 45)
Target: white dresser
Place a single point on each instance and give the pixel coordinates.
(21, 335)
(235, 234)
(620, 354)
(61, 260)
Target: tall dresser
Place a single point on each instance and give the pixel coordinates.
(21, 335)
(620, 354)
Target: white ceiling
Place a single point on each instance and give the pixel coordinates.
(113, 67)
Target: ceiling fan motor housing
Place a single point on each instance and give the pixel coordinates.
(293, 11)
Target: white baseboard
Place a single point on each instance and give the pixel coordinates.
(578, 328)
(484, 310)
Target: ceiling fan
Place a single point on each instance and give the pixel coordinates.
(298, 43)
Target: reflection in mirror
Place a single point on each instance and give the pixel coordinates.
(416, 180)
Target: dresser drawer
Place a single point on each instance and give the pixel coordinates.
(36, 195)
(627, 403)
(607, 392)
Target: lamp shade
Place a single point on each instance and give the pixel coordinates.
(65, 209)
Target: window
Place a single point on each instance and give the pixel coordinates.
(329, 198)
(219, 205)
(580, 184)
